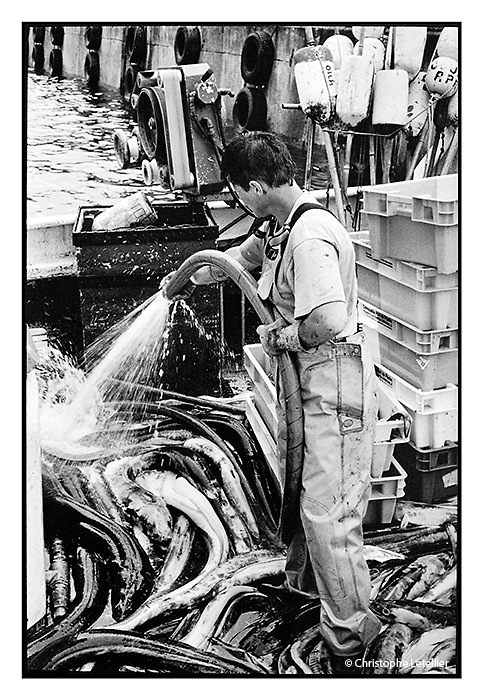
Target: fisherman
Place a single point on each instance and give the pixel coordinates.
(308, 276)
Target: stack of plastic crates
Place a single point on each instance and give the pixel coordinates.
(393, 429)
(407, 269)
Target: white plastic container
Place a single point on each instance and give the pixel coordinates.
(420, 277)
(429, 309)
(434, 413)
(418, 340)
(425, 371)
(384, 492)
(415, 220)
(264, 437)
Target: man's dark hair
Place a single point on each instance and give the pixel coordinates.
(257, 155)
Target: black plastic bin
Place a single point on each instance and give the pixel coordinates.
(432, 474)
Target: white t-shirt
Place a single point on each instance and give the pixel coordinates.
(317, 267)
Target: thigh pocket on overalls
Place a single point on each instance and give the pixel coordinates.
(350, 387)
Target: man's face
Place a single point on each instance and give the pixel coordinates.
(255, 198)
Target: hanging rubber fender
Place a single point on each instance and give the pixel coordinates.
(187, 45)
(39, 35)
(38, 58)
(129, 81)
(250, 110)
(137, 45)
(92, 68)
(55, 62)
(93, 37)
(150, 124)
(57, 36)
(257, 57)
(121, 148)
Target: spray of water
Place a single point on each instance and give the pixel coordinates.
(127, 355)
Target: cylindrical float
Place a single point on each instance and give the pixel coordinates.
(408, 46)
(354, 89)
(418, 101)
(315, 79)
(390, 103)
(442, 76)
(369, 32)
(339, 46)
(448, 43)
(373, 49)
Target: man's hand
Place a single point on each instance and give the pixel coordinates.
(183, 293)
(270, 337)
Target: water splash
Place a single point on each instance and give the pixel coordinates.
(127, 355)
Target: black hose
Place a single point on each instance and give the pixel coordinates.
(289, 381)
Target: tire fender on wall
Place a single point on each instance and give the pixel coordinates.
(93, 37)
(92, 68)
(55, 62)
(257, 58)
(187, 45)
(250, 109)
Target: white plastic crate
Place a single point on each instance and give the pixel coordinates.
(384, 493)
(414, 338)
(422, 278)
(257, 364)
(426, 309)
(265, 440)
(416, 221)
(393, 425)
(434, 413)
(425, 371)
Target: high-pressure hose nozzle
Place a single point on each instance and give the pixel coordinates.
(289, 382)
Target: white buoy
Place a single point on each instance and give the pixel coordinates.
(369, 32)
(448, 43)
(354, 89)
(316, 82)
(339, 46)
(409, 44)
(418, 101)
(373, 49)
(442, 76)
(390, 103)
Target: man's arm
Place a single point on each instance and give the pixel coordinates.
(209, 274)
(322, 324)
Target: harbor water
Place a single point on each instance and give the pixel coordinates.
(70, 153)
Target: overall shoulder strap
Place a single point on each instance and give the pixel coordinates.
(306, 206)
(302, 209)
